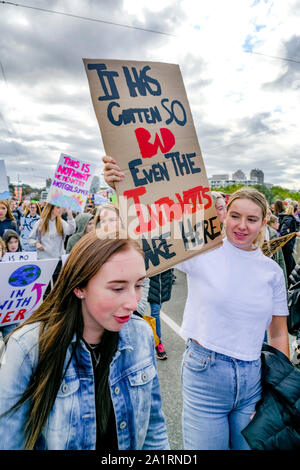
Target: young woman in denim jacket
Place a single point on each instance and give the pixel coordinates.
(80, 373)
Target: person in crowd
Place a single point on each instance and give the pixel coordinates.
(270, 234)
(49, 232)
(12, 241)
(106, 214)
(220, 206)
(80, 373)
(48, 235)
(225, 325)
(16, 211)
(274, 224)
(278, 207)
(32, 211)
(2, 248)
(160, 289)
(7, 220)
(84, 224)
(289, 225)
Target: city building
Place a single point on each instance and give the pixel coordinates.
(258, 175)
(239, 175)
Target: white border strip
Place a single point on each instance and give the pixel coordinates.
(171, 324)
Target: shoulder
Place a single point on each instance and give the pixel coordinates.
(27, 336)
(200, 259)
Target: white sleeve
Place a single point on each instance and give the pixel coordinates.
(280, 306)
(69, 226)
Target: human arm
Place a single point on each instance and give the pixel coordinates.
(69, 226)
(278, 334)
(15, 373)
(112, 172)
(32, 240)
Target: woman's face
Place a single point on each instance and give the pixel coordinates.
(56, 212)
(109, 217)
(33, 209)
(3, 211)
(12, 245)
(220, 206)
(112, 295)
(244, 221)
(275, 224)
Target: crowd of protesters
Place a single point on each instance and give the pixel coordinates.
(92, 315)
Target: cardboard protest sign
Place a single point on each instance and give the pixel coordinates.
(71, 183)
(19, 256)
(27, 224)
(147, 126)
(4, 191)
(22, 287)
(271, 247)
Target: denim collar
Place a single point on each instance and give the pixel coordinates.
(125, 340)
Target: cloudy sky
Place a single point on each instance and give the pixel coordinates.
(240, 61)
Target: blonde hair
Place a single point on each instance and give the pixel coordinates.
(289, 210)
(3, 246)
(45, 217)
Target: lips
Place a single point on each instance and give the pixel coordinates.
(240, 236)
(124, 319)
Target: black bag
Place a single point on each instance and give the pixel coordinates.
(293, 320)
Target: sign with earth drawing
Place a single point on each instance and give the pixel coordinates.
(22, 287)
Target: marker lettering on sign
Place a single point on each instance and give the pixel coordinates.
(201, 231)
(141, 81)
(159, 247)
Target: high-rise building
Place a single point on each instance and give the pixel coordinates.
(239, 175)
(257, 175)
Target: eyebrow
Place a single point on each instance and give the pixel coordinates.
(238, 213)
(124, 282)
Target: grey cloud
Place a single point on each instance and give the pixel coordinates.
(290, 77)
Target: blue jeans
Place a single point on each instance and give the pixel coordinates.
(155, 313)
(219, 396)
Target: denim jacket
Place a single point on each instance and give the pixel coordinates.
(71, 425)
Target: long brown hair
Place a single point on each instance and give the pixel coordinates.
(60, 318)
(45, 217)
(9, 213)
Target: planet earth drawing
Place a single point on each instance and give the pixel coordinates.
(24, 275)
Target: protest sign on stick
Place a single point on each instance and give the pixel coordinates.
(22, 287)
(4, 191)
(71, 183)
(271, 247)
(147, 126)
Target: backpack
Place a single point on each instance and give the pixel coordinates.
(293, 297)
